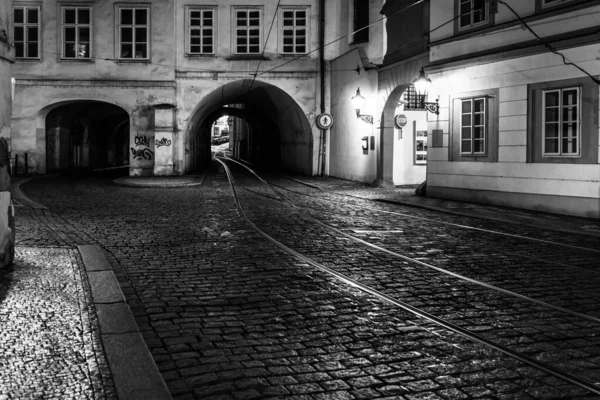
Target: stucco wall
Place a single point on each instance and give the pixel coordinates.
(532, 185)
(346, 157)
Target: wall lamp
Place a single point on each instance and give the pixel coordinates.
(358, 102)
(422, 84)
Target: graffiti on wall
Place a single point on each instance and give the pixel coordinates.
(142, 140)
(162, 142)
(143, 153)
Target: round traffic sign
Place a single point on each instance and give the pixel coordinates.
(324, 121)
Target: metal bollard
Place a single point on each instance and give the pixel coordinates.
(16, 164)
(26, 166)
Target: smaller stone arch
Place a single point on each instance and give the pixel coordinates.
(385, 168)
(59, 147)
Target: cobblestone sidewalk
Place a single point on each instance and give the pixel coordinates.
(49, 338)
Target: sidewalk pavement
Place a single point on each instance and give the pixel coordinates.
(66, 331)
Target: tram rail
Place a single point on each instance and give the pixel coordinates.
(592, 387)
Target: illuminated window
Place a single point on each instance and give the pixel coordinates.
(134, 33)
(294, 35)
(76, 32)
(27, 32)
(473, 126)
(201, 31)
(247, 30)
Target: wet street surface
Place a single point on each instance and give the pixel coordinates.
(229, 314)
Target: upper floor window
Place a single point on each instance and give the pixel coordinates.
(134, 33)
(473, 13)
(361, 20)
(27, 32)
(473, 126)
(294, 36)
(247, 30)
(561, 122)
(201, 31)
(76, 32)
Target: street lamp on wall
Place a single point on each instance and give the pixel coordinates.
(422, 84)
(358, 102)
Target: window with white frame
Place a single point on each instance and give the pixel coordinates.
(201, 31)
(134, 33)
(561, 122)
(27, 32)
(473, 126)
(472, 13)
(294, 35)
(247, 30)
(76, 32)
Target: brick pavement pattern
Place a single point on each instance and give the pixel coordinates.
(227, 315)
(49, 338)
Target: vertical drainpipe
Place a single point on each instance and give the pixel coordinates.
(322, 71)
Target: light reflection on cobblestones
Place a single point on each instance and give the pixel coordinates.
(49, 342)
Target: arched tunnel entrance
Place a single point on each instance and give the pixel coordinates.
(271, 131)
(87, 135)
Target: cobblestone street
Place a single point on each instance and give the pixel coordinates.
(226, 314)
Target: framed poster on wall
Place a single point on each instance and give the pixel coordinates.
(420, 147)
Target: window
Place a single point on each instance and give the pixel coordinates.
(133, 33)
(548, 5)
(27, 32)
(201, 31)
(247, 30)
(76, 32)
(472, 126)
(561, 125)
(361, 20)
(563, 122)
(294, 36)
(472, 13)
(420, 147)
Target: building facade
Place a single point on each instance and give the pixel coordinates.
(518, 89)
(381, 61)
(137, 85)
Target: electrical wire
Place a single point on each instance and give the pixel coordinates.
(341, 37)
(262, 54)
(552, 49)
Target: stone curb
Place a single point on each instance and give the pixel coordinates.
(19, 196)
(135, 374)
(147, 183)
(489, 218)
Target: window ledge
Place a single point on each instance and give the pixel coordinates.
(121, 61)
(77, 60)
(188, 55)
(28, 59)
(246, 57)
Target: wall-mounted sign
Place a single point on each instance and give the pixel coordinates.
(324, 121)
(400, 121)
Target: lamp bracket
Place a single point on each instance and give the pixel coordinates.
(366, 117)
(432, 107)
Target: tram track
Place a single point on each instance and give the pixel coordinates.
(383, 295)
(419, 262)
